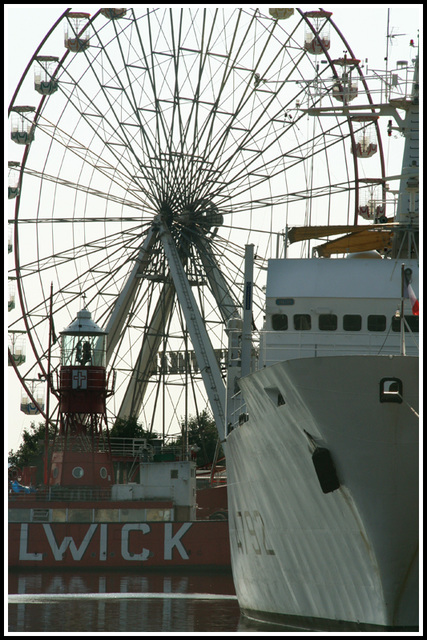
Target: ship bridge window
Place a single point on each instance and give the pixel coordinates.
(328, 322)
(377, 323)
(302, 322)
(279, 322)
(411, 321)
(352, 322)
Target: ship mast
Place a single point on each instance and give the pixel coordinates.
(405, 241)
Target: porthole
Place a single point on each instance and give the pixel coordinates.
(55, 472)
(103, 472)
(77, 472)
(391, 390)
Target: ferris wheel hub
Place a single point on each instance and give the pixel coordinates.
(202, 213)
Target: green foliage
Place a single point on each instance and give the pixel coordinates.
(130, 428)
(32, 446)
(202, 432)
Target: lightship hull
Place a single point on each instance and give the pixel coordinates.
(347, 558)
(112, 545)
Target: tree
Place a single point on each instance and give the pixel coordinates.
(131, 428)
(31, 448)
(203, 433)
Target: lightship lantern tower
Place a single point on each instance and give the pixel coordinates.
(82, 455)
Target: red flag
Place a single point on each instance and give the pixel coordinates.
(414, 302)
(409, 293)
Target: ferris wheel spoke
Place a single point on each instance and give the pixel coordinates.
(129, 121)
(221, 73)
(96, 160)
(207, 104)
(75, 186)
(176, 119)
(238, 120)
(266, 135)
(187, 167)
(189, 129)
(54, 258)
(154, 120)
(163, 128)
(321, 143)
(94, 281)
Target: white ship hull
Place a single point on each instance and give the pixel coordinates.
(312, 559)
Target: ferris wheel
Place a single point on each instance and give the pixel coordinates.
(158, 144)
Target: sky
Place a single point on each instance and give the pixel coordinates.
(363, 25)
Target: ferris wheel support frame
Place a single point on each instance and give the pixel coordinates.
(121, 308)
(209, 368)
(220, 290)
(139, 378)
(135, 392)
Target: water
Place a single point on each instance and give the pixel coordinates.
(120, 602)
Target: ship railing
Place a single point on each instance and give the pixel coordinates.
(395, 83)
(128, 446)
(238, 413)
(67, 494)
(81, 442)
(275, 351)
(145, 450)
(135, 448)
